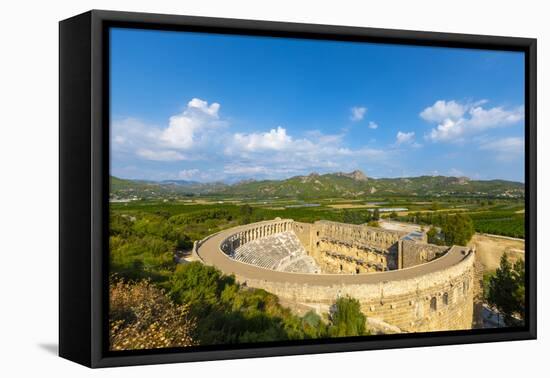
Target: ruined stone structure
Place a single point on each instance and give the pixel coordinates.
(399, 279)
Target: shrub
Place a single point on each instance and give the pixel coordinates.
(347, 318)
(373, 223)
(142, 316)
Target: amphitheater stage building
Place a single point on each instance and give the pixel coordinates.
(401, 281)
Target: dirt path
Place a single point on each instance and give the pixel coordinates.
(489, 249)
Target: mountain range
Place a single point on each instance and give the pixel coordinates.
(339, 184)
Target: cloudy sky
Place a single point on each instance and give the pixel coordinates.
(207, 108)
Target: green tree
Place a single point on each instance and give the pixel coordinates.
(457, 229)
(393, 215)
(373, 223)
(376, 214)
(246, 214)
(433, 236)
(506, 290)
(347, 318)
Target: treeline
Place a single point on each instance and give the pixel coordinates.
(142, 245)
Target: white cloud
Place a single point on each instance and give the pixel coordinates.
(274, 139)
(506, 149)
(182, 128)
(188, 174)
(160, 155)
(443, 110)
(179, 140)
(373, 125)
(482, 119)
(203, 107)
(456, 120)
(358, 113)
(276, 153)
(404, 138)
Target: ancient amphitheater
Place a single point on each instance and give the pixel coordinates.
(403, 283)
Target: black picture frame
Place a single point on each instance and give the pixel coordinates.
(84, 185)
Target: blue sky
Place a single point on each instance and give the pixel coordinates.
(207, 108)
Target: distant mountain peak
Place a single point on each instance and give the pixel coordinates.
(245, 181)
(463, 180)
(357, 175)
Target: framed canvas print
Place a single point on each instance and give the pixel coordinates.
(234, 188)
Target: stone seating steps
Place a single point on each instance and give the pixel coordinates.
(281, 251)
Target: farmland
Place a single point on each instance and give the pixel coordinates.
(497, 216)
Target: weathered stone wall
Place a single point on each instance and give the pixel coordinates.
(413, 253)
(348, 258)
(441, 300)
(304, 232)
(359, 234)
(347, 248)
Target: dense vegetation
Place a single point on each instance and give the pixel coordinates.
(454, 229)
(509, 221)
(500, 222)
(230, 313)
(505, 290)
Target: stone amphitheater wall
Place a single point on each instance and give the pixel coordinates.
(304, 232)
(413, 253)
(438, 301)
(334, 244)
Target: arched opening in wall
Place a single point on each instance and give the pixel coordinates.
(317, 233)
(446, 299)
(433, 304)
(341, 268)
(357, 271)
(317, 244)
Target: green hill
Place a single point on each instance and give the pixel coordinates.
(357, 185)
(346, 185)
